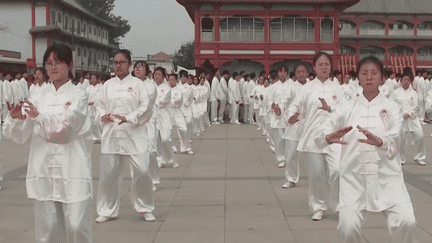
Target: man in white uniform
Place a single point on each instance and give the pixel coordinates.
(223, 95)
(186, 109)
(215, 97)
(235, 97)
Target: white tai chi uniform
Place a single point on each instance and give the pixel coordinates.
(186, 108)
(91, 91)
(198, 97)
(410, 103)
(163, 125)
(371, 179)
(291, 136)
(276, 96)
(7, 97)
(214, 98)
(125, 143)
(420, 85)
(250, 86)
(150, 128)
(222, 95)
(24, 87)
(234, 100)
(59, 174)
(323, 162)
(177, 118)
(255, 94)
(203, 105)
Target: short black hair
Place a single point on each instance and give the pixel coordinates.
(174, 75)
(374, 60)
(126, 53)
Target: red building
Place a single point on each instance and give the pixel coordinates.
(260, 34)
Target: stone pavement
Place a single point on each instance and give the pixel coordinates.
(229, 191)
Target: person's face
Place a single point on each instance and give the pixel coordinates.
(282, 74)
(322, 67)
(158, 77)
(392, 76)
(8, 77)
(38, 76)
(370, 77)
(56, 69)
(202, 81)
(301, 74)
(183, 79)
(424, 74)
(226, 76)
(140, 71)
(93, 80)
(237, 78)
(190, 80)
(18, 76)
(25, 75)
(87, 76)
(429, 76)
(121, 65)
(196, 81)
(346, 79)
(266, 83)
(217, 74)
(406, 82)
(261, 80)
(339, 77)
(172, 81)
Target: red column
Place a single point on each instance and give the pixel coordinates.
(415, 27)
(358, 23)
(197, 36)
(336, 35)
(317, 23)
(386, 22)
(217, 29)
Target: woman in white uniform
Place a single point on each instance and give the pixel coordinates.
(141, 71)
(195, 108)
(255, 97)
(409, 100)
(122, 109)
(186, 109)
(91, 91)
(293, 132)
(235, 98)
(371, 178)
(313, 105)
(59, 168)
(40, 77)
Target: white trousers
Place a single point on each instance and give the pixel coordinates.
(222, 106)
(184, 140)
(292, 159)
(164, 146)
(63, 222)
(400, 222)
(153, 168)
(206, 118)
(96, 130)
(196, 124)
(245, 113)
(422, 110)
(111, 178)
(269, 134)
(323, 180)
(234, 112)
(251, 113)
(214, 111)
(279, 143)
(420, 150)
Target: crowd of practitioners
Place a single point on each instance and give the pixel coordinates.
(352, 130)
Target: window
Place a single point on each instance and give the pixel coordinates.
(326, 29)
(241, 29)
(292, 29)
(79, 51)
(90, 29)
(94, 28)
(66, 22)
(78, 27)
(84, 28)
(59, 17)
(53, 17)
(207, 29)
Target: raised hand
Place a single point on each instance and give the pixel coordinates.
(106, 118)
(31, 110)
(277, 110)
(121, 118)
(370, 138)
(407, 116)
(336, 137)
(294, 118)
(91, 103)
(324, 105)
(15, 112)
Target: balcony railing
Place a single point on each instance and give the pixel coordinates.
(347, 32)
(401, 33)
(372, 32)
(292, 36)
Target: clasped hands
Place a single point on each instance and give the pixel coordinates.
(107, 118)
(336, 137)
(16, 113)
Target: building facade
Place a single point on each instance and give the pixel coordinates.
(31, 26)
(262, 34)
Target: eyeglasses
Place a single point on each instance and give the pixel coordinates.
(324, 65)
(120, 63)
(53, 64)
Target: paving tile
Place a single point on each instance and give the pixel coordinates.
(259, 236)
(193, 224)
(202, 188)
(198, 200)
(248, 222)
(306, 223)
(189, 237)
(181, 211)
(312, 236)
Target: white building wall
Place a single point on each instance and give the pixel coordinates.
(15, 23)
(41, 46)
(40, 12)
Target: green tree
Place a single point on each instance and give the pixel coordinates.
(102, 9)
(185, 56)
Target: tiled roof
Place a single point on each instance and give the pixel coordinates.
(392, 6)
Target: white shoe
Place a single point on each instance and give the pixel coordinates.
(190, 141)
(209, 125)
(149, 217)
(288, 184)
(272, 148)
(420, 162)
(259, 128)
(263, 133)
(202, 130)
(155, 188)
(318, 215)
(268, 140)
(237, 123)
(403, 162)
(281, 164)
(197, 134)
(174, 165)
(160, 165)
(174, 149)
(103, 219)
(190, 152)
(216, 123)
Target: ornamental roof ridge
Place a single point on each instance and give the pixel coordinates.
(391, 7)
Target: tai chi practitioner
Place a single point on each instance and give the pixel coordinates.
(202, 104)
(223, 95)
(59, 168)
(269, 111)
(85, 82)
(246, 98)
(315, 103)
(17, 91)
(276, 97)
(163, 120)
(197, 94)
(250, 86)
(235, 97)
(141, 70)
(293, 131)
(255, 96)
(24, 86)
(177, 117)
(420, 86)
(262, 110)
(371, 179)
(40, 77)
(122, 107)
(7, 95)
(409, 100)
(186, 107)
(91, 91)
(215, 93)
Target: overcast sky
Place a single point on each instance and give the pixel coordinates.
(157, 25)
